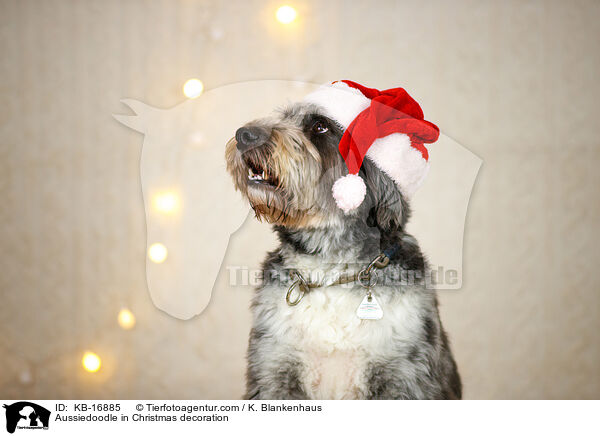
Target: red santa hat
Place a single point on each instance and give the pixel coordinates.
(386, 126)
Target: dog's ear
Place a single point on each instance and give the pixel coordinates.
(389, 210)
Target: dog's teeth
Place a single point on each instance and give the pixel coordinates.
(254, 176)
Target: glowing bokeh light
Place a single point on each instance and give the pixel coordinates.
(165, 202)
(126, 319)
(193, 88)
(286, 14)
(157, 252)
(91, 361)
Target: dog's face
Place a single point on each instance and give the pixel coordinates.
(286, 166)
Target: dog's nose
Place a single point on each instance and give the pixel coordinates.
(248, 137)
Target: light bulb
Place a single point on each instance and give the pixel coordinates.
(193, 88)
(157, 252)
(126, 319)
(165, 202)
(286, 14)
(91, 361)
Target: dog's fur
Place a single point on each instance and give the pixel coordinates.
(320, 349)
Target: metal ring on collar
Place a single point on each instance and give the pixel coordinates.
(365, 275)
(302, 289)
(380, 261)
(365, 278)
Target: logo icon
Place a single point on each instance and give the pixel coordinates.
(26, 415)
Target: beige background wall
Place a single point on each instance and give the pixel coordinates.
(515, 82)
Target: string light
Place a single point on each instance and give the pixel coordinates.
(157, 252)
(193, 88)
(165, 202)
(91, 361)
(286, 14)
(126, 319)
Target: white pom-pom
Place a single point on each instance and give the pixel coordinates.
(349, 192)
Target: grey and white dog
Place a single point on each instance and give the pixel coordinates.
(319, 348)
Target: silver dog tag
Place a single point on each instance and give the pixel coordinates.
(369, 308)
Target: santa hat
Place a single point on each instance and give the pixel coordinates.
(386, 126)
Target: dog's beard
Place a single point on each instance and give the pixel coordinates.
(272, 206)
(269, 197)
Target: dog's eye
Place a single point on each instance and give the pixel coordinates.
(320, 127)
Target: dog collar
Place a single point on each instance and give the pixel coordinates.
(363, 277)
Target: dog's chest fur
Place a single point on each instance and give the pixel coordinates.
(335, 347)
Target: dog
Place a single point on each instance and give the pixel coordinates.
(306, 340)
